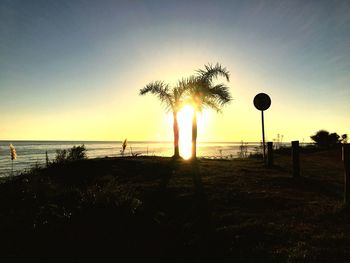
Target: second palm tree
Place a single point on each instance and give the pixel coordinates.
(203, 93)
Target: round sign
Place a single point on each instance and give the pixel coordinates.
(262, 101)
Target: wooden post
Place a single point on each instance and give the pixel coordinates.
(269, 154)
(295, 157)
(346, 160)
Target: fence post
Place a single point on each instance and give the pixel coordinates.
(269, 154)
(295, 157)
(346, 160)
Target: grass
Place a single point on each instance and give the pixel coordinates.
(175, 211)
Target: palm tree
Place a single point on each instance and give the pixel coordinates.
(171, 98)
(203, 93)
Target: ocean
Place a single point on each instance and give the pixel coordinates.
(31, 153)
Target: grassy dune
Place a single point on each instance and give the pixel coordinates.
(150, 207)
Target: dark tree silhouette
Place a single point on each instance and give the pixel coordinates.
(172, 99)
(325, 139)
(344, 138)
(203, 93)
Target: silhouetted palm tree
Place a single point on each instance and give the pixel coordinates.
(203, 93)
(171, 98)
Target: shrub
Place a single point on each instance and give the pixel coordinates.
(325, 139)
(61, 156)
(74, 154)
(77, 153)
(344, 138)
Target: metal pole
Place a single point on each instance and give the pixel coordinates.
(263, 134)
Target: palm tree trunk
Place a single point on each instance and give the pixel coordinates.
(194, 136)
(176, 136)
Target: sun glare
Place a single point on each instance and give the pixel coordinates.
(184, 118)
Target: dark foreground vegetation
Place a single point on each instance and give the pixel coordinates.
(150, 208)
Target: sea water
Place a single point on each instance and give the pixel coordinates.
(31, 153)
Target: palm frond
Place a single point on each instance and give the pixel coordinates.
(221, 93)
(160, 89)
(212, 103)
(155, 87)
(195, 85)
(201, 93)
(179, 90)
(214, 71)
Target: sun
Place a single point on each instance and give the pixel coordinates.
(184, 117)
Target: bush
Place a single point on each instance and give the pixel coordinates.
(325, 139)
(74, 154)
(61, 156)
(77, 153)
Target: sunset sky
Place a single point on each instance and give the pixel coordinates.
(72, 70)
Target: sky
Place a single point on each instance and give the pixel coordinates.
(72, 70)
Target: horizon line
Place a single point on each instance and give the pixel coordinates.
(139, 141)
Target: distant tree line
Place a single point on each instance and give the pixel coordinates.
(324, 139)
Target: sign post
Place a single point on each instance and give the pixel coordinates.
(262, 102)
